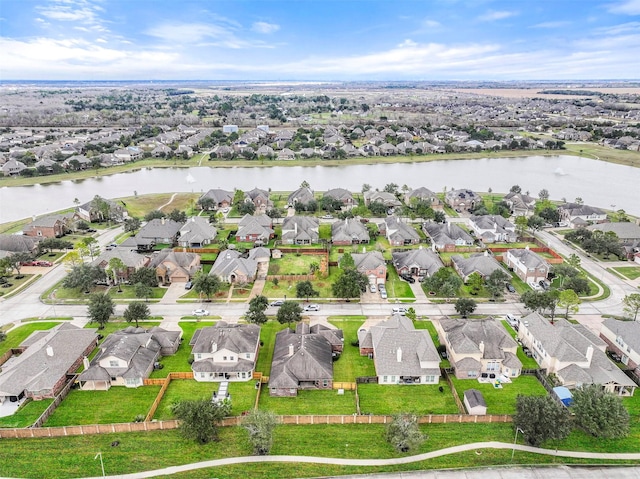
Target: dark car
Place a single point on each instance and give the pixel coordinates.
(510, 288)
(408, 278)
(543, 284)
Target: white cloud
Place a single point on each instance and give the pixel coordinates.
(71, 11)
(627, 7)
(427, 23)
(264, 27)
(187, 32)
(558, 24)
(496, 15)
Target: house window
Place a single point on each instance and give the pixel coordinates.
(224, 358)
(472, 374)
(113, 364)
(393, 379)
(248, 356)
(199, 356)
(384, 379)
(230, 358)
(202, 375)
(325, 383)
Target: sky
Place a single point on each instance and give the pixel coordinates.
(321, 40)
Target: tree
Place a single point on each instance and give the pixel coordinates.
(100, 309)
(573, 260)
(515, 189)
(260, 424)
(600, 413)
(91, 246)
(444, 282)
(391, 188)
(563, 271)
(403, 432)
(200, 418)
(535, 223)
(439, 217)
(136, 311)
(116, 266)
(350, 284)
(289, 312)
(304, 289)
(143, 290)
(82, 276)
(49, 244)
(475, 283)
(465, 306)
(543, 194)
(632, 305)
(131, 225)
(3, 336)
(346, 261)
(178, 216)
(207, 284)
(521, 225)
(569, 300)
(257, 307)
(366, 187)
(541, 418)
(153, 215)
(15, 260)
(495, 282)
(146, 276)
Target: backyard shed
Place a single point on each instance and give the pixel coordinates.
(475, 403)
(564, 395)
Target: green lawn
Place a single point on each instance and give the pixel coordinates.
(26, 415)
(501, 401)
(118, 404)
(310, 402)
(288, 288)
(179, 362)
(243, 395)
(267, 341)
(241, 292)
(113, 326)
(397, 288)
(16, 336)
(292, 263)
(351, 364)
(128, 292)
(527, 362)
(630, 272)
(415, 398)
(13, 284)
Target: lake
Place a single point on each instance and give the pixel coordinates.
(598, 183)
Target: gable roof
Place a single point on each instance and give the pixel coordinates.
(629, 331)
(302, 195)
(422, 259)
(368, 261)
(237, 338)
(399, 231)
(196, 230)
(18, 243)
(159, 228)
(218, 195)
(446, 233)
(472, 337)
(230, 261)
(349, 230)
(483, 263)
(528, 258)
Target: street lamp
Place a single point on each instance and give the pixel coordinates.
(101, 463)
(514, 442)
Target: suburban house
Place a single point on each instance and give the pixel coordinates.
(255, 228)
(302, 195)
(482, 263)
(529, 266)
(219, 198)
(342, 195)
(302, 359)
(13, 167)
(131, 259)
(474, 402)
(399, 233)
(446, 236)
(157, 231)
(520, 204)
(372, 264)
(196, 233)
(417, 262)
(225, 352)
(50, 226)
(479, 348)
(423, 194)
(623, 339)
(10, 244)
(127, 357)
(387, 199)
(101, 209)
(573, 353)
(47, 361)
(259, 198)
(625, 231)
(231, 267)
(175, 267)
(349, 231)
(581, 215)
(493, 229)
(300, 230)
(401, 353)
(462, 200)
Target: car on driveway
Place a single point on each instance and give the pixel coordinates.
(327, 217)
(277, 302)
(510, 288)
(372, 288)
(200, 312)
(408, 278)
(312, 307)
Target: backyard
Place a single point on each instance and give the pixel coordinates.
(321, 402)
(415, 399)
(267, 340)
(26, 415)
(179, 362)
(351, 364)
(292, 263)
(22, 332)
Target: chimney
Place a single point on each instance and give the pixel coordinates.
(162, 220)
(49, 351)
(85, 362)
(481, 347)
(448, 227)
(290, 350)
(399, 355)
(589, 354)
(486, 253)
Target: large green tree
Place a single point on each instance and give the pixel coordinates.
(200, 418)
(136, 311)
(260, 425)
(207, 284)
(632, 305)
(568, 299)
(82, 276)
(100, 309)
(475, 283)
(541, 418)
(599, 413)
(403, 432)
(289, 312)
(304, 289)
(146, 276)
(257, 307)
(465, 306)
(495, 282)
(15, 260)
(350, 284)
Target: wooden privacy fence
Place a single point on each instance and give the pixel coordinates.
(165, 384)
(64, 392)
(345, 386)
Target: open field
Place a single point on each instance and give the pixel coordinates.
(537, 92)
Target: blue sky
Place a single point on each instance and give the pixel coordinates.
(319, 40)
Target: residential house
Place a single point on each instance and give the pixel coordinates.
(231, 267)
(625, 231)
(302, 359)
(50, 226)
(423, 194)
(401, 354)
(225, 352)
(342, 195)
(623, 339)
(174, 266)
(130, 153)
(493, 229)
(446, 236)
(302, 195)
(300, 230)
(47, 361)
(581, 215)
(349, 231)
(265, 151)
(18, 244)
(474, 402)
(255, 228)
(221, 198)
(529, 266)
(520, 204)
(157, 231)
(101, 209)
(482, 263)
(387, 199)
(260, 199)
(462, 200)
(479, 348)
(196, 233)
(13, 167)
(417, 262)
(131, 259)
(372, 264)
(573, 354)
(399, 233)
(127, 357)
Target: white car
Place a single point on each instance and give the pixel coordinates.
(327, 217)
(200, 312)
(399, 310)
(312, 307)
(372, 288)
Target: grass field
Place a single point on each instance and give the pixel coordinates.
(629, 272)
(397, 288)
(310, 402)
(291, 263)
(351, 364)
(13, 284)
(267, 340)
(415, 398)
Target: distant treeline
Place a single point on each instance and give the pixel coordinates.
(572, 92)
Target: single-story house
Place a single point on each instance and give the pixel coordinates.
(175, 267)
(417, 262)
(302, 195)
(399, 233)
(196, 233)
(349, 231)
(446, 236)
(387, 199)
(255, 228)
(482, 263)
(344, 196)
(231, 267)
(300, 230)
(220, 198)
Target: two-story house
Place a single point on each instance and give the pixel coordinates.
(372, 264)
(493, 229)
(623, 339)
(529, 266)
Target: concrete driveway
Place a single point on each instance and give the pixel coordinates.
(174, 291)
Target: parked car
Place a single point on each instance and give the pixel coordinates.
(383, 294)
(511, 319)
(543, 284)
(399, 310)
(372, 288)
(200, 312)
(277, 303)
(408, 278)
(312, 307)
(510, 288)
(188, 285)
(327, 217)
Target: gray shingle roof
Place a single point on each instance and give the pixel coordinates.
(629, 331)
(349, 230)
(446, 233)
(197, 230)
(474, 398)
(479, 262)
(368, 261)
(528, 258)
(422, 259)
(17, 243)
(159, 228)
(238, 338)
(229, 261)
(465, 336)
